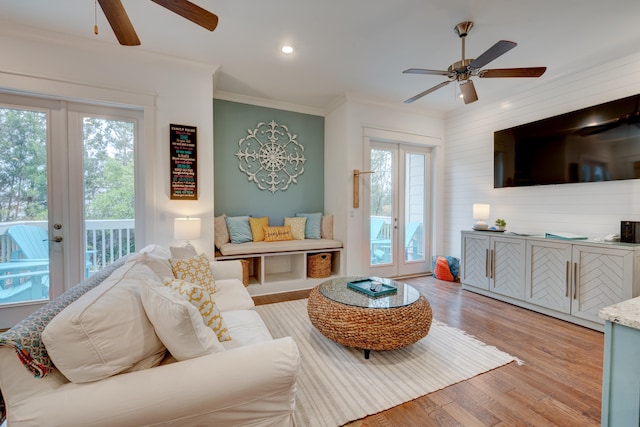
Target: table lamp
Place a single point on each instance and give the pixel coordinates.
(480, 213)
(186, 229)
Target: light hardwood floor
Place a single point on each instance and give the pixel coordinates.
(560, 383)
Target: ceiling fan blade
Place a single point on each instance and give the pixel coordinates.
(513, 72)
(468, 91)
(427, 92)
(425, 71)
(192, 12)
(119, 21)
(498, 49)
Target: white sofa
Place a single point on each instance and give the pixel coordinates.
(247, 381)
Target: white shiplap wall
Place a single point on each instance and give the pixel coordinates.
(593, 209)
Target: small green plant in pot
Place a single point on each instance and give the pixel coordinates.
(501, 224)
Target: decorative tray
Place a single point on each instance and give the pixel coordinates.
(368, 286)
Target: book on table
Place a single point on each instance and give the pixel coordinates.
(565, 236)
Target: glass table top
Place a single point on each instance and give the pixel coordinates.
(337, 290)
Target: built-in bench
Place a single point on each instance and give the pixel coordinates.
(276, 267)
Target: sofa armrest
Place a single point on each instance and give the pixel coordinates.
(230, 269)
(250, 385)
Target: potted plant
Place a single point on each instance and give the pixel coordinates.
(501, 224)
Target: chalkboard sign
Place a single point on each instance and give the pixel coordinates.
(184, 165)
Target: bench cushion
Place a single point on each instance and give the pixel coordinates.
(257, 248)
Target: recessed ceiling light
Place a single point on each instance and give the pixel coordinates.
(287, 49)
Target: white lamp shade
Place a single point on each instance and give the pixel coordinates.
(481, 211)
(186, 228)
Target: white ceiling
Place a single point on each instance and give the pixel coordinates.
(360, 47)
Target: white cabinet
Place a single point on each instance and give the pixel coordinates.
(494, 263)
(570, 280)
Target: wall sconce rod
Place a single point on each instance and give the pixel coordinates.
(356, 186)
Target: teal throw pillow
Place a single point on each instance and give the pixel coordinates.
(239, 229)
(312, 227)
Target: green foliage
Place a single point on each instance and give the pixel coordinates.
(501, 222)
(108, 167)
(381, 183)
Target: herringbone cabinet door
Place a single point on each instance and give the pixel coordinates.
(508, 266)
(549, 275)
(603, 275)
(475, 261)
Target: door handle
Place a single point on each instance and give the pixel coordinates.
(56, 239)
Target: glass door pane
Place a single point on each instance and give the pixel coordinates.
(415, 193)
(109, 195)
(24, 241)
(381, 213)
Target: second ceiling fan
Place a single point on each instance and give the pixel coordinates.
(124, 31)
(463, 70)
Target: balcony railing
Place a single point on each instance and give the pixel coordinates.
(105, 241)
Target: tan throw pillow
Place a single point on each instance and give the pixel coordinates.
(178, 323)
(203, 301)
(257, 224)
(277, 234)
(195, 270)
(297, 225)
(326, 227)
(220, 231)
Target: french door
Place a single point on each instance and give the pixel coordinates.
(64, 168)
(398, 203)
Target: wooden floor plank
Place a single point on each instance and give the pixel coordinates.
(560, 383)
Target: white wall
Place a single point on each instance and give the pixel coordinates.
(345, 151)
(593, 209)
(167, 90)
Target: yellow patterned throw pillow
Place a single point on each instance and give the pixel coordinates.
(201, 299)
(196, 270)
(297, 225)
(257, 225)
(277, 234)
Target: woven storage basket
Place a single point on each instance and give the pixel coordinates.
(245, 271)
(319, 265)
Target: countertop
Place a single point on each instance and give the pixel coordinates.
(625, 313)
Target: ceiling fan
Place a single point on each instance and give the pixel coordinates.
(123, 29)
(463, 70)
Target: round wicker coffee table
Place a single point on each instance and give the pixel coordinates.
(354, 319)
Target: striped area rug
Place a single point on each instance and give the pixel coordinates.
(337, 385)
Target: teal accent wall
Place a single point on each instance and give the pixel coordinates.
(234, 194)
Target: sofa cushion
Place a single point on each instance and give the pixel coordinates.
(285, 246)
(239, 229)
(232, 295)
(277, 234)
(297, 225)
(157, 250)
(312, 227)
(106, 331)
(200, 298)
(220, 231)
(257, 225)
(195, 270)
(246, 327)
(177, 322)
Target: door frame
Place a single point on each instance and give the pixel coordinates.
(402, 139)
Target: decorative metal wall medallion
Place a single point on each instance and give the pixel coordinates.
(271, 157)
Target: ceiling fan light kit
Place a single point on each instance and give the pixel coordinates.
(462, 71)
(123, 28)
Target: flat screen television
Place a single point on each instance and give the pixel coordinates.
(599, 143)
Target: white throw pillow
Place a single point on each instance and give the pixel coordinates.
(106, 331)
(183, 252)
(158, 265)
(178, 323)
